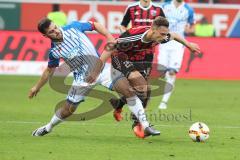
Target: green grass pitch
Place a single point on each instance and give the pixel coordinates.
(217, 103)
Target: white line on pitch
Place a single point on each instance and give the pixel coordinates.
(114, 124)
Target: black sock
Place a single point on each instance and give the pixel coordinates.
(121, 102)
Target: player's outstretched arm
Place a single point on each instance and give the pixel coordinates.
(103, 31)
(123, 29)
(108, 50)
(106, 54)
(43, 80)
(191, 46)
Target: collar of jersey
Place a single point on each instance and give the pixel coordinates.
(178, 6)
(150, 5)
(143, 36)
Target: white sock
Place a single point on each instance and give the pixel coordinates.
(171, 80)
(135, 106)
(54, 121)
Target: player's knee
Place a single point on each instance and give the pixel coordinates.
(125, 91)
(128, 93)
(134, 76)
(172, 72)
(161, 70)
(141, 89)
(69, 108)
(162, 74)
(123, 87)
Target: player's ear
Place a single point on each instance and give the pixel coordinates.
(153, 28)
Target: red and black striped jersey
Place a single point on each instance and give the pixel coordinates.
(140, 16)
(131, 43)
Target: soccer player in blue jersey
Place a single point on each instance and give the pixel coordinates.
(181, 19)
(71, 44)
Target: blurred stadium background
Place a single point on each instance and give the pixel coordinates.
(208, 85)
(21, 44)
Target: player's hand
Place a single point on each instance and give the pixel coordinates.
(193, 47)
(111, 46)
(33, 92)
(110, 39)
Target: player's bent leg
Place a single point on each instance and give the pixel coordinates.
(67, 110)
(62, 113)
(109, 78)
(162, 70)
(124, 89)
(75, 96)
(170, 79)
(175, 52)
(144, 101)
(117, 105)
(135, 105)
(138, 82)
(121, 86)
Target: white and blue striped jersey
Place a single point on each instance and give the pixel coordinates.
(75, 49)
(178, 17)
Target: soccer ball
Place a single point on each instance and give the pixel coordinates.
(199, 132)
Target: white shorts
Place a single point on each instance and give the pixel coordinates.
(80, 89)
(170, 55)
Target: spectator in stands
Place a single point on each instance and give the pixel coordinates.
(57, 16)
(204, 29)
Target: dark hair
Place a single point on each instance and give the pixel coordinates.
(43, 24)
(160, 21)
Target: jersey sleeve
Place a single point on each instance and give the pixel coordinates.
(83, 26)
(191, 19)
(162, 12)
(52, 61)
(126, 18)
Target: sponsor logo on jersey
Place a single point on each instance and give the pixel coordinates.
(136, 13)
(153, 12)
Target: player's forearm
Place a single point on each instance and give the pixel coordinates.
(103, 31)
(193, 47)
(44, 78)
(105, 55)
(180, 39)
(98, 67)
(109, 47)
(123, 29)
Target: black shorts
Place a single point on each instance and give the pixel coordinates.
(121, 63)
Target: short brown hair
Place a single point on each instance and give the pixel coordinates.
(43, 24)
(160, 21)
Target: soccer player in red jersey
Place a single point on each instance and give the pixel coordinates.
(140, 13)
(134, 44)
